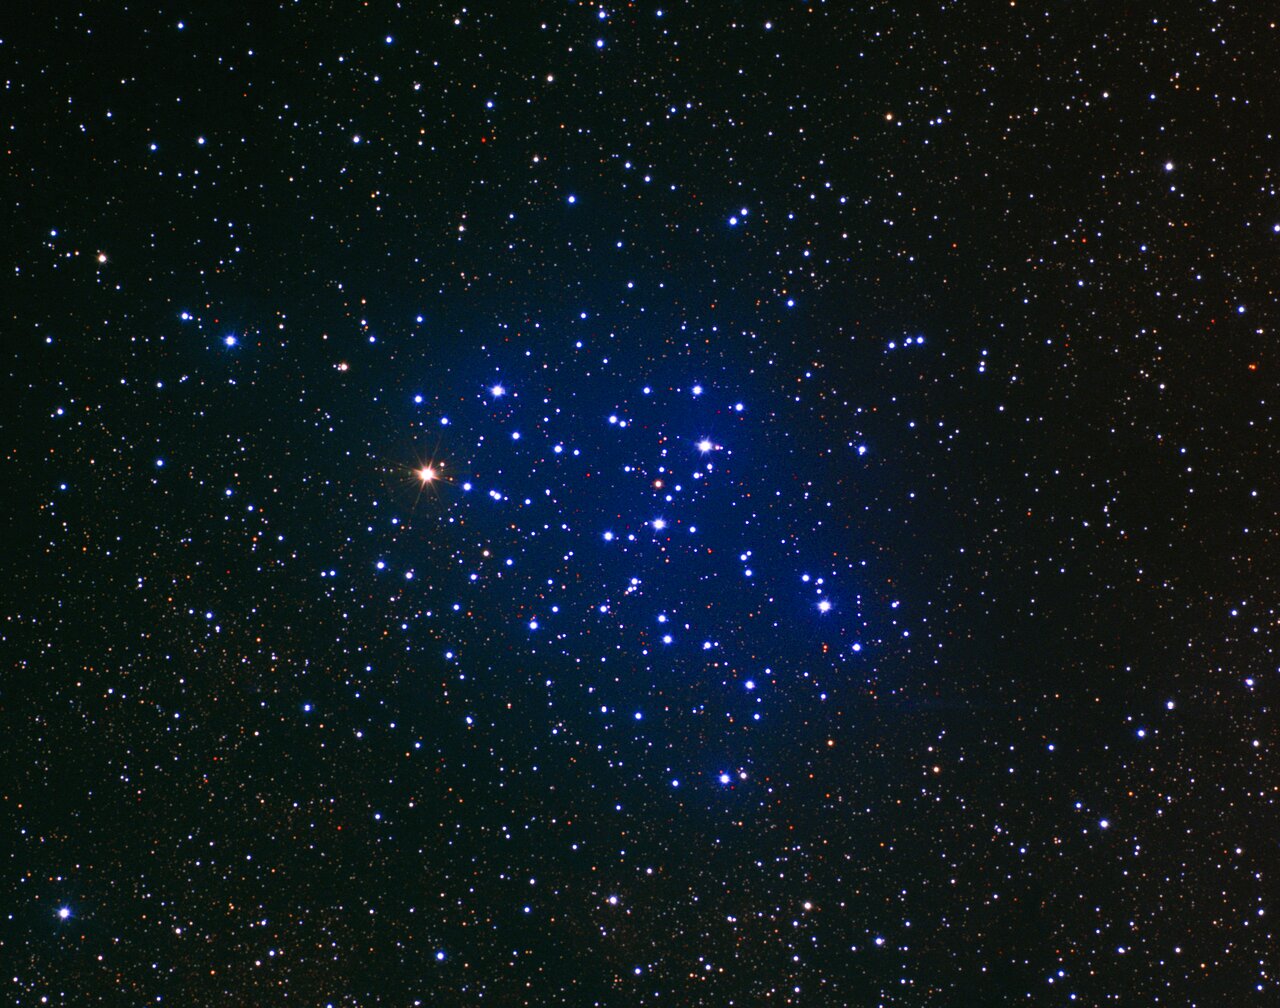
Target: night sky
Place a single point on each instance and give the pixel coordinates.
(553, 504)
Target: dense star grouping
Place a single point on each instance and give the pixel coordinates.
(575, 505)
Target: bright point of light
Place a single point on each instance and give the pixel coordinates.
(1168, 166)
(572, 198)
(750, 684)
(697, 390)
(497, 391)
(608, 537)
(704, 445)
(824, 605)
(724, 778)
(1104, 823)
(230, 341)
(102, 257)
(427, 473)
(659, 523)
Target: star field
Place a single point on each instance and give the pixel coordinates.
(565, 504)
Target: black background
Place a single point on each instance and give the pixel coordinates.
(1022, 254)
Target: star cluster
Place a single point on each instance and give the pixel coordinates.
(575, 505)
